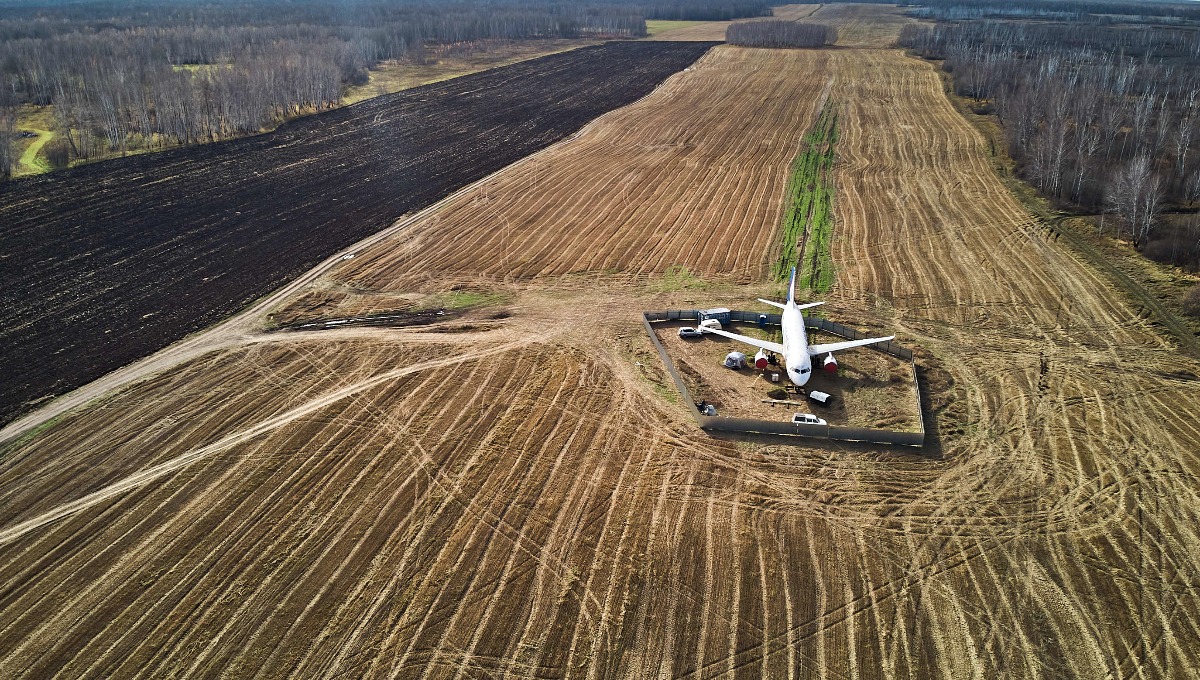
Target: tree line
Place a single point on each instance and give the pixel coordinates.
(1062, 10)
(151, 73)
(1098, 117)
(776, 33)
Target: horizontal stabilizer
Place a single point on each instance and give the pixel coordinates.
(783, 306)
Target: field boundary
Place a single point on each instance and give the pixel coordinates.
(774, 427)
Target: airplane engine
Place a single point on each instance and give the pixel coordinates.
(760, 359)
(830, 364)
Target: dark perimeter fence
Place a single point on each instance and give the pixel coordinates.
(838, 432)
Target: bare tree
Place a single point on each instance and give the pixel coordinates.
(1185, 132)
(8, 125)
(1136, 198)
(7, 141)
(1192, 188)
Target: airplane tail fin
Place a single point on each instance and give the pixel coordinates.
(792, 288)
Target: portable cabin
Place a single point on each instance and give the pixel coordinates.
(821, 398)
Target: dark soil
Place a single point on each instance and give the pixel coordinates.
(103, 264)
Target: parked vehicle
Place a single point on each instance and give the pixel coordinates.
(689, 332)
(807, 419)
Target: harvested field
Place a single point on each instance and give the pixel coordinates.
(692, 175)
(858, 25)
(863, 25)
(525, 499)
(111, 261)
(715, 30)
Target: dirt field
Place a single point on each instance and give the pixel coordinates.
(517, 492)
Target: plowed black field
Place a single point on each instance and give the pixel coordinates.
(106, 263)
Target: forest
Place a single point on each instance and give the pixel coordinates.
(159, 73)
(1091, 11)
(775, 33)
(1101, 118)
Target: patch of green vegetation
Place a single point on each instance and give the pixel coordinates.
(678, 277)
(40, 121)
(28, 436)
(808, 219)
(656, 26)
(30, 163)
(463, 299)
(666, 392)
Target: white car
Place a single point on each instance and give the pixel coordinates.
(688, 332)
(807, 419)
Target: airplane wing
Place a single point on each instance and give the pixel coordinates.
(814, 350)
(769, 346)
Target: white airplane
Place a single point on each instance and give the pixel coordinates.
(797, 353)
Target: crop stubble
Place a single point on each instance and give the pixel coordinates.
(692, 175)
(523, 503)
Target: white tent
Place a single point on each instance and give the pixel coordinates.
(735, 360)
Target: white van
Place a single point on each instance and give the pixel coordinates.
(807, 419)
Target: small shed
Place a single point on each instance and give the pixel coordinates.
(719, 313)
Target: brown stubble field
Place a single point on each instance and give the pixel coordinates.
(715, 30)
(859, 25)
(690, 176)
(519, 494)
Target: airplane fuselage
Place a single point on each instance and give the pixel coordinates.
(797, 353)
(795, 346)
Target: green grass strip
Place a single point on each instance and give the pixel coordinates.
(808, 218)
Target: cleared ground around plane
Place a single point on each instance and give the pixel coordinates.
(519, 496)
